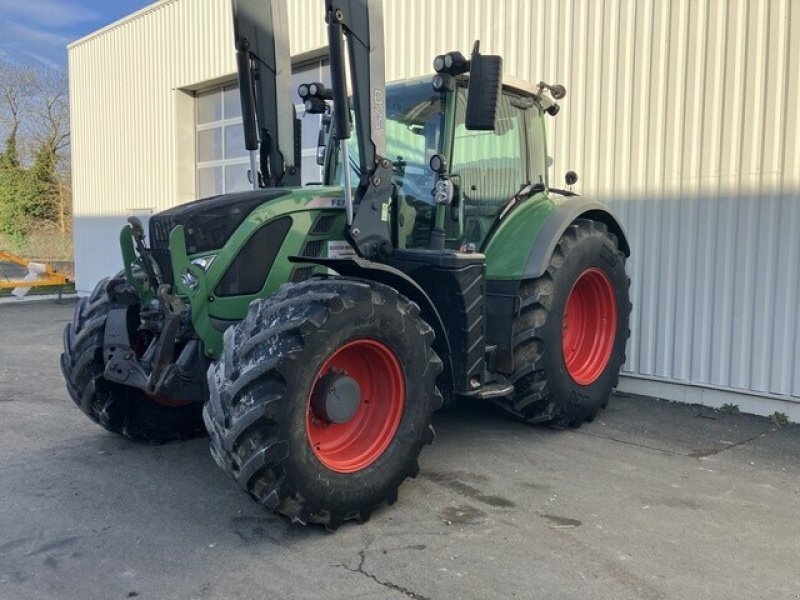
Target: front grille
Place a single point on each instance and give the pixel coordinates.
(160, 228)
(159, 246)
(323, 224)
(312, 249)
(302, 274)
(164, 262)
(208, 224)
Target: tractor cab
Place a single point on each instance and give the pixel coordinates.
(427, 141)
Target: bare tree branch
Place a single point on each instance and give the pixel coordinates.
(34, 112)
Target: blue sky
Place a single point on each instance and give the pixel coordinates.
(36, 32)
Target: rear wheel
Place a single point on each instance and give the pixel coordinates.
(570, 336)
(323, 399)
(118, 408)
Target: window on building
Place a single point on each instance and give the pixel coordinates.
(222, 160)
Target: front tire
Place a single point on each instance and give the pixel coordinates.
(570, 336)
(119, 409)
(266, 433)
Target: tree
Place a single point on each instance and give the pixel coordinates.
(35, 189)
(17, 88)
(50, 134)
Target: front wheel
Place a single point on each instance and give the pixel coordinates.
(570, 335)
(323, 399)
(117, 408)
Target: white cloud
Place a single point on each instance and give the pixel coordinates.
(48, 13)
(31, 35)
(19, 43)
(44, 60)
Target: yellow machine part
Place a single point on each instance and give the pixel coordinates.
(48, 277)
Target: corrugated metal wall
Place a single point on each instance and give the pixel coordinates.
(681, 114)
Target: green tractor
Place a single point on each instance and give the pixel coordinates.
(313, 331)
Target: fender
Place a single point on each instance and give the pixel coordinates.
(564, 214)
(521, 248)
(382, 273)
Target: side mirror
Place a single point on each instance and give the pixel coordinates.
(485, 83)
(570, 178)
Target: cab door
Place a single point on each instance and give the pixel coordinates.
(490, 167)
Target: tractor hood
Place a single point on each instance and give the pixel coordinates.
(208, 223)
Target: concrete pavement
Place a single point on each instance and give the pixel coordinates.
(653, 500)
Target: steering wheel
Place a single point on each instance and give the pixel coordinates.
(411, 183)
(408, 215)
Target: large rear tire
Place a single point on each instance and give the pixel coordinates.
(570, 336)
(118, 408)
(267, 432)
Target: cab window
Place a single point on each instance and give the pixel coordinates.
(414, 124)
(491, 166)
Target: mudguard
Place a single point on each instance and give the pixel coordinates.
(520, 249)
(388, 275)
(564, 214)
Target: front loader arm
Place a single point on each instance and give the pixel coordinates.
(362, 22)
(261, 30)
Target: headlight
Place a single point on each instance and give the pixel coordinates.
(443, 193)
(189, 280)
(204, 261)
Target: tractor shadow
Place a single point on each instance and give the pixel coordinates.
(103, 491)
(480, 417)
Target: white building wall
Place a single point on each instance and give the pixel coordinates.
(683, 115)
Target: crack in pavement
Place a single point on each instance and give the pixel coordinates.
(703, 452)
(628, 443)
(387, 584)
(699, 453)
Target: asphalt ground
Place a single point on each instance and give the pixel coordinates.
(652, 500)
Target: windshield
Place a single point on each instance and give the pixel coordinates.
(414, 122)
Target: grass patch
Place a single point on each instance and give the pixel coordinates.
(780, 419)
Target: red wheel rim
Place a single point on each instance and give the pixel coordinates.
(356, 444)
(590, 326)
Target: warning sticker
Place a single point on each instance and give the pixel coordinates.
(340, 249)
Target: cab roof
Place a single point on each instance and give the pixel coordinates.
(509, 82)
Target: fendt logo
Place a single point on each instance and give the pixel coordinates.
(325, 202)
(377, 109)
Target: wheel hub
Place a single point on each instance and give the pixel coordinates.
(336, 398)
